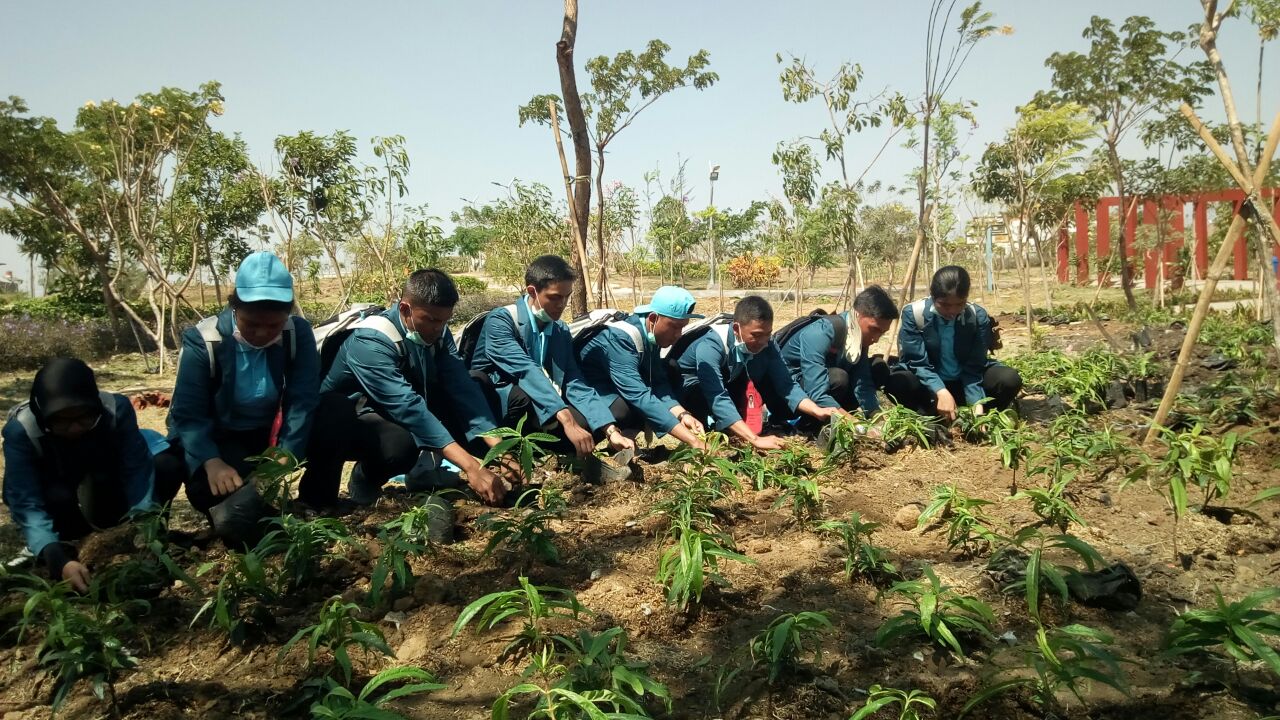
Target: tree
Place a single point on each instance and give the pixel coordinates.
(522, 226)
(623, 87)
(1040, 148)
(946, 172)
(1126, 75)
(885, 233)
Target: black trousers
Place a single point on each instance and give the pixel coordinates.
(383, 448)
(1001, 383)
(235, 447)
(520, 406)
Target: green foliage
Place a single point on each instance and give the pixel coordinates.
(1236, 630)
(1080, 380)
(555, 701)
(1068, 658)
(599, 662)
(513, 230)
(968, 527)
(789, 637)
(1052, 504)
(529, 531)
(899, 424)
(400, 538)
(861, 556)
(936, 612)
(1194, 458)
(689, 495)
(338, 628)
(239, 606)
(533, 603)
(881, 697)
(693, 560)
(81, 645)
(525, 448)
(847, 434)
(1028, 546)
(306, 543)
(275, 472)
(339, 703)
(1005, 430)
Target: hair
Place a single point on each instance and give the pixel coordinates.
(260, 305)
(874, 302)
(949, 280)
(547, 269)
(752, 308)
(430, 287)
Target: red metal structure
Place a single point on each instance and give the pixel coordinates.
(1148, 265)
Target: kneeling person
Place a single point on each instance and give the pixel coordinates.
(716, 367)
(623, 364)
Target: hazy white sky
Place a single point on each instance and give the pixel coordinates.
(449, 76)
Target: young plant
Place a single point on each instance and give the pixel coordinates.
(802, 494)
(401, 538)
(339, 703)
(530, 530)
(1196, 458)
(1062, 658)
(558, 700)
(968, 527)
(861, 556)
(239, 606)
(275, 474)
(80, 645)
(936, 612)
(788, 638)
(526, 449)
(1005, 430)
(686, 566)
(535, 604)
(882, 697)
(1234, 630)
(339, 627)
(306, 543)
(1028, 547)
(153, 535)
(1052, 504)
(842, 438)
(599, 662)
(899, 424)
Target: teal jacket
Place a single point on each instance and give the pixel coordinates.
(615, 368)
(919, 348)
(809, 353)
(708, 366)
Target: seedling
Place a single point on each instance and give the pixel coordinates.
(557, 700)
(239, 604)
(306, 543)
(535, 604)
(1062, 658)
(845, 435)
(1031, 544)
(861, 556)
(882, 697)
(529, 532)
(599, 662)
(1052, 504)
(275, 474)
(1236, 630)
(401, 538)
(802, 494)
(527, 449)
(81, 645)
(968, 527)
(153, 534)
(936, 612)
(338, 628)
(685, 567)
(339, 703)
(900, 424)
(787, 639)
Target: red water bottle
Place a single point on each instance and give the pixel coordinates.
(755, 408)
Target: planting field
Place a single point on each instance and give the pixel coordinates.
(732, 586)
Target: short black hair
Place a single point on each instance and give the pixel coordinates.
(752, 308)
(874, 302)
(260, 305)
(949, 280)
(430, 287)
(547, 269)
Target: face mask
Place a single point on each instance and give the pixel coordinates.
(240, 339)
(648, 335)
(412, 336)
(540, 315)
(744, 353)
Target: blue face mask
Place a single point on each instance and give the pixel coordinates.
(412, 335)
(744, 354)
(540, 315)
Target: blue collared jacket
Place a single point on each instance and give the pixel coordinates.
(707, 365)
(503, 352)
(920, 352)
(808, 353)
(614, 367)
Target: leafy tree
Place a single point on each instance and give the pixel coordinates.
(885, 233)
(522, 226)
(1127, 74)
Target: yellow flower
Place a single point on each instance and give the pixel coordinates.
(90, 105)
(156, 111)
(215, 107)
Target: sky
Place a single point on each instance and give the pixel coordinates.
(450, 76)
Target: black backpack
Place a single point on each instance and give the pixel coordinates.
(470, 335)
(837, 321)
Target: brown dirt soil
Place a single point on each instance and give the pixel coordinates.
(610, 546)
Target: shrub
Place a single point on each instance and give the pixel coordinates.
(472, 304)
(754, 271)
(27, 341)
(469, 285)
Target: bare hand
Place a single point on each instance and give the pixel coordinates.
(977, 409)
(946, 405)
(618, 441)
(765, 443)
(223, 479)
(77, 574)
(826, 413)
(487, 485)
(692, 423)
(582, 441)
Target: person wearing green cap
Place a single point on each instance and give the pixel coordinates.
(238, 370)
(623, 364)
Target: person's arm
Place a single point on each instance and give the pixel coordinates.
(463, 391)
(192, 413)
(779, 378)
(808, 351)
(707, 356)
(137, 467)
(22, 495)
(973, 366)
(623, 364)
(579, 394)
(301, 392)
(374, 362)
(504, 351)
(913, 354)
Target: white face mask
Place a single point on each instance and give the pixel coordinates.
(240, 339)
(744, 353)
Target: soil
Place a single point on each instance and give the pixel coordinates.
(610, 545)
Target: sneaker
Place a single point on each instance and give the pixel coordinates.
(362, 490)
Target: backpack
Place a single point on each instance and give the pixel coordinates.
(27, 419)
(917, 310)
(331, 333)
(585, 329)
(692, 332)
(470, 335)
(837, 321)
(208, 329)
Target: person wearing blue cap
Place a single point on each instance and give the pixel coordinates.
(399, 401)
(827, 354)
(716, 367)
(237, 371)
(74, 460)
(524, 359)
(623, 364)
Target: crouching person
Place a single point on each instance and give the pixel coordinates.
(238, 370)
(716, 368)
(524, 358)
(74, 461)
(945, 343)
(622, 364)
(398, 400)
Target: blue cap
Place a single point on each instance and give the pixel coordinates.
(263, 277)
(671, 301)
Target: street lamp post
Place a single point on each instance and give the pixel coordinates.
(711, 227)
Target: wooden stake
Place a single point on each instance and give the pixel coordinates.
(578, 245)
(1219, 262)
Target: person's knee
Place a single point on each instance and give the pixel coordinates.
(838, 379)
(1006, 380)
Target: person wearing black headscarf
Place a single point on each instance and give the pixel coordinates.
(74, 461)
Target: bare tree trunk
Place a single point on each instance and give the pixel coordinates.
(577, 248)
(602, 281)
(581, 204)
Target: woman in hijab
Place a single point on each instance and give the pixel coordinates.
(74, 461)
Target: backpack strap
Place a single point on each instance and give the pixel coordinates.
(381, 324)
(630, 331)
(917, 309)
(841, 334)
(208, 329)
(722, 332)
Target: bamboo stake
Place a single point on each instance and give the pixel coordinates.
(578, 245)
(1219, 260)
